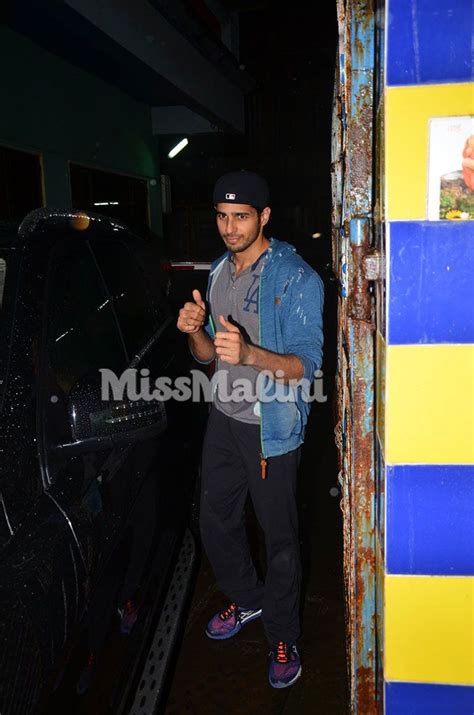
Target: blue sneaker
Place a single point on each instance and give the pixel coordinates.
(86, 675)
(128, 616)
(285, 665)
(229, 621)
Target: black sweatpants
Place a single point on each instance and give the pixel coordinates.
(230, 468)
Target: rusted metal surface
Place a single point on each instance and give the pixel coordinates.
(373, 265)
(362, 477)
(352, 163)
(359, 298)
(360, 129)
(336, 171)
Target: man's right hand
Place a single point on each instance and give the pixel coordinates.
(192, 316)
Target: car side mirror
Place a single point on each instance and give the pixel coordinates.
(97, 423)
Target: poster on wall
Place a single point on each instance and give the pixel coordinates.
(451, 169)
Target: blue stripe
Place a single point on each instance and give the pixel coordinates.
(431, 286)
(429, 41)
(430, 520)
(380, 492)
(427, 699)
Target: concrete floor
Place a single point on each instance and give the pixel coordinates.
(212, 677)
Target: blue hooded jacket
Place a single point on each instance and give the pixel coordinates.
(291, 298)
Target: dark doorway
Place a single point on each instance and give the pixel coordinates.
(124, 198)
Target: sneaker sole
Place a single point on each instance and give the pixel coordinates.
(286, 685)
(237, 628)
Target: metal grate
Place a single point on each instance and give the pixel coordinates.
(151, 683)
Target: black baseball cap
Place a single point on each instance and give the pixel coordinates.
(242, 187)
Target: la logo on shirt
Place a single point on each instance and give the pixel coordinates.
(251, 299)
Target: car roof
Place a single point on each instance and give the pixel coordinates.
(83, 224)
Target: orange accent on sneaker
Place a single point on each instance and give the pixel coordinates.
(228, 612)
(282, 652)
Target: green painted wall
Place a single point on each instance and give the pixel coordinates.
(66, 114)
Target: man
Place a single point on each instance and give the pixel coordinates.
(264, 326)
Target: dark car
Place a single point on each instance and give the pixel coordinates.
(95, 492)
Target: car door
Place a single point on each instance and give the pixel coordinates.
(49, 564)
(152, 346)
(109, 495)
(80, 336)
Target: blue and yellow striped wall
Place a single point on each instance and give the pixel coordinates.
(425, 374)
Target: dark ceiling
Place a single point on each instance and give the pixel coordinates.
(58, 28)
(288, 49)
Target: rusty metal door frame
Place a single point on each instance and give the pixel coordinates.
(353, 143)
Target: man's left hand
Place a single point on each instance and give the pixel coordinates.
(231, 346)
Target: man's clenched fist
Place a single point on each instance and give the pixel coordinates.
(192, 316)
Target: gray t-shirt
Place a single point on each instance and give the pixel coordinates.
(236, 297)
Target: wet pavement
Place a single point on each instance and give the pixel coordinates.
(214, 677)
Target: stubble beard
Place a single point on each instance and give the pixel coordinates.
(239, 248)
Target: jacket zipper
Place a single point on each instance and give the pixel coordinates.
(208, 296)
(263, 459)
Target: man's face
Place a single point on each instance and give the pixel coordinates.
(239, 225)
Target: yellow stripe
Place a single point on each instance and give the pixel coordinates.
(429, 414)
(379, 586)
(408, 110)
(380, 388)
(429, 629)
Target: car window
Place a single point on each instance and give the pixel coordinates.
(3, 340)
(3, 270)
(82, 333)
(138, 315)
(9, 263)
